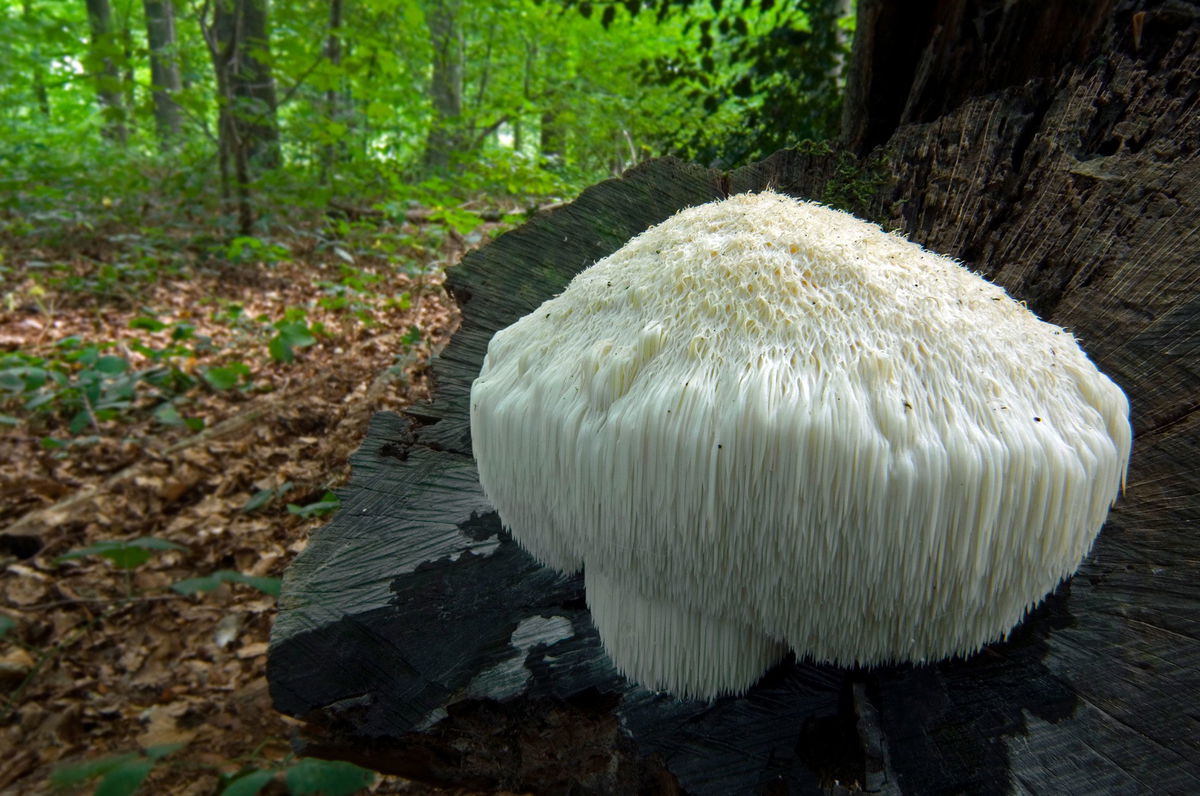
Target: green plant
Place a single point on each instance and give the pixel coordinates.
(412, 336)
(119, 775)
(292, 332)
(226, 377)
(86, 386)
(303, 776)
(209, 582)
(124, 554)
(264, 496)
(245, 248)
(329, 502)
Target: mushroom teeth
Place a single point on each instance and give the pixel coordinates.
(764, 424)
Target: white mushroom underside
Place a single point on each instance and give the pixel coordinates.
(767, 424)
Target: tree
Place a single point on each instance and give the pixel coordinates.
(164, 68)
(238, 42)
(914, 61)
(38, 68)
(103, 64)
(446, 83)
(333, 111)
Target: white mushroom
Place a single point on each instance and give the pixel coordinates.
(765, 424)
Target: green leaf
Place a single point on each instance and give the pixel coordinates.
(227, 377)
(328, 777)
(280, 350)
(162, 750)
(259, 499)
(270, 586)
(168, 415)
(248, 784)
(265, 496)
(292, 335)
(9, 420)
(79, 422)
(328, 502)
(125, 779)
(147, 323)
(125, 555)
(75, 773)
(7, 623)
(194, 585)
(41, 399)
(11, 381)
(154, 543)
(207, 583)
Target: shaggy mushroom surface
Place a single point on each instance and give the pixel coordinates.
(765, 425)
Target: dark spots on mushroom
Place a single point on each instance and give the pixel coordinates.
(1037, 419)
(907, 405)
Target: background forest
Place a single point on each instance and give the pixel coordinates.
(223, 228)
(319, 101)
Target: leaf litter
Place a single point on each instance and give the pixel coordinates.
(99, 655)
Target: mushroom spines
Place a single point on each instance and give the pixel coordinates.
(771, 414)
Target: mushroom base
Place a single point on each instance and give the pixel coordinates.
(664, 646)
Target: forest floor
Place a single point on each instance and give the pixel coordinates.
(197, 451)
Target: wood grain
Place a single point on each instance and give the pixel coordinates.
(416, 637)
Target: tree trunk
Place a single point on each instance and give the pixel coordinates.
(103, 52)
(242, 34)
(914, 61)
(446, 84)
(128, 81)
(526, 84)
(415, 636)
(40, 94)
(551, 140)
(236, 37)
(331, 151)
(164, 69)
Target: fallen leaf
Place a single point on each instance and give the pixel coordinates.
(15, 665)
(162, 725)
(252, 650)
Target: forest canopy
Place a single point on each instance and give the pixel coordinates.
(269, 103)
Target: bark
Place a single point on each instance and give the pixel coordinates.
(1080, 195)
(164, 69)
(526, 92)
(551, 138)
(914, 61)
(40, 94)
(242, 34)
(446, 84)
(330, 152)
(248, 140)
(103, 62)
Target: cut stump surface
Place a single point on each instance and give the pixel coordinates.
(416, 637)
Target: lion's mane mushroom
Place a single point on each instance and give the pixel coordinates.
(765, 424)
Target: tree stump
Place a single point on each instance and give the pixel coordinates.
(415, 637)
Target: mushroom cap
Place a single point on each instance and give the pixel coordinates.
(765, 424)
